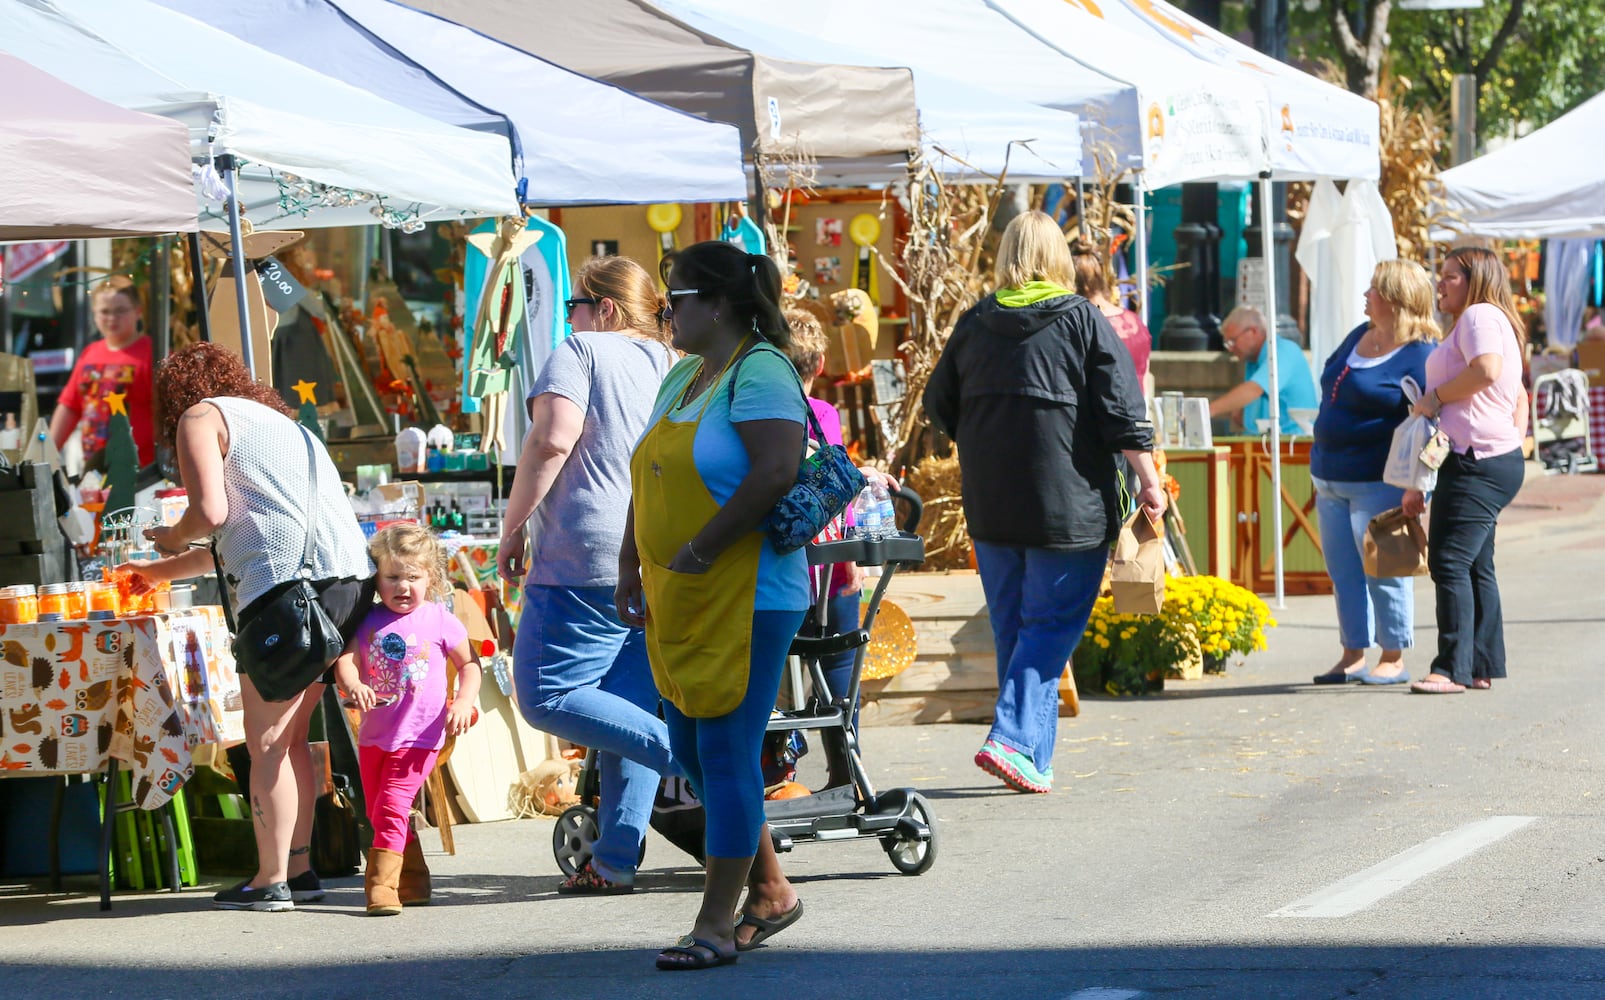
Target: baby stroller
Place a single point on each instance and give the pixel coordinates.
(900, 818)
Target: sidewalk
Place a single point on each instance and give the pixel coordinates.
(1552, 501)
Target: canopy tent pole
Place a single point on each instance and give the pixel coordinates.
(237, 251)
(197, 287)
(1140, 204)
(1269, 256)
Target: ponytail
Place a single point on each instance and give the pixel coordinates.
(768, 318)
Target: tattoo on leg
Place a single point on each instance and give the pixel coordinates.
(300, 850)
(256, 807)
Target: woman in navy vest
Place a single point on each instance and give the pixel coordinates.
(1362, 404)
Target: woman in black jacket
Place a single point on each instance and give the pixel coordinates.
(1039, 394)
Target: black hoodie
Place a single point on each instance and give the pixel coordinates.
(1040, 399)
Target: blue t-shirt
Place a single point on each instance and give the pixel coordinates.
(766, 389)
(1361, 408)
(1295, 384)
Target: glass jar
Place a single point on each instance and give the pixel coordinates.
(102, 601)
(53, 602)
(77, 601)
(19, 605)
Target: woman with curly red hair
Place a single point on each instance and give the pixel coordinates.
(236, 448)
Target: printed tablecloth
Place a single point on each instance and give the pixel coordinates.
(142, 690)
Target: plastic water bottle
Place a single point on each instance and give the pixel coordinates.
(888, 513)
(867, 513)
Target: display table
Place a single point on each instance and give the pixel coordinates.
(141, 692)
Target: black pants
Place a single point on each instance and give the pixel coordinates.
(1460, 552)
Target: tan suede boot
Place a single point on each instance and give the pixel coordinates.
(384, 871)
(414, 886)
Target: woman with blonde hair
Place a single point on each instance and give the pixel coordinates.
(1474, 389)
(1040, 395)
(580, 672)
(1362, 403)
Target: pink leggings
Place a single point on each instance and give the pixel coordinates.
(390, 781)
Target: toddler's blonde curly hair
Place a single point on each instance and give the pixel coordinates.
(414, 545)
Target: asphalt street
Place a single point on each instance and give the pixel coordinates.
(1247, 836)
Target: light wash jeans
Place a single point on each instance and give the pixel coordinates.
(582, 675)
(1039, 601)
(1377, 610)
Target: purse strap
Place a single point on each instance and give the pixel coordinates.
(813, 421)
(311, 532)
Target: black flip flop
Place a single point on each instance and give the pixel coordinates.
(702, 954)
(767, 929)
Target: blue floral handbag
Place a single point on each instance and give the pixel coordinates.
(827, 481)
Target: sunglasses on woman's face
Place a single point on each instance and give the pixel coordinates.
(674, 294)
(580, 300)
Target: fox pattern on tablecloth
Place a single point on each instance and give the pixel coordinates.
(142, 690)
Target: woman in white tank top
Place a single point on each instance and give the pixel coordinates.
(239, 455)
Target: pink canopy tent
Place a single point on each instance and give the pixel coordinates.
(77, 167)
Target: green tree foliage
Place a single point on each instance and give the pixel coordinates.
(1534, 60)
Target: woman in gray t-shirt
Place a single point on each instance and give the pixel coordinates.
(579, 672)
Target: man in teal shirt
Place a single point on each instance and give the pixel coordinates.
(1244, 331)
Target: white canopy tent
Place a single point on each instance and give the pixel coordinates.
(997, 53)
(1316, 129)
(647, 153)
(78, 167)
(234, 96)
(968, 130)
(1550, 183)
(348, 158)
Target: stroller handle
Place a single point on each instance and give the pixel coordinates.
(916, 508)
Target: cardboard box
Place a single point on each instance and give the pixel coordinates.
(1591, 359)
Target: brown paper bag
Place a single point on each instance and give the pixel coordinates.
(1137, 572)
(1395, 545)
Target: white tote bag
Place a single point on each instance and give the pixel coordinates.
(1406, 469)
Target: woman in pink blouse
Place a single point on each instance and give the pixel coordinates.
(1474, 390)
(1094, 287)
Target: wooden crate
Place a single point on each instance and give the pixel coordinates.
(954, 676)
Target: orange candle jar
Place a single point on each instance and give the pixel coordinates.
(77, 601)
(19, 605)
(102, 600)
(53, 602)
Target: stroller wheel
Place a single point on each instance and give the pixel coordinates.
(574, 838)
(909, 852)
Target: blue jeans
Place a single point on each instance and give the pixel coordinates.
(1371, 609)
(582, 675)
(720, 755)
(841, 615)
(1039, 601)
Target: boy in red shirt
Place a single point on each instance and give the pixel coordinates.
(121, 362)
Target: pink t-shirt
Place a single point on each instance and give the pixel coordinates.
(1484, 423)
(1136, 338)
(830, 421)
(406, 655)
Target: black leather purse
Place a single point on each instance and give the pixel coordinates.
(285, 646)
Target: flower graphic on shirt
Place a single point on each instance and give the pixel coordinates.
(395, 663)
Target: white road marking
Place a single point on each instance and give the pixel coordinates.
(1105, 993)
(1362, 889)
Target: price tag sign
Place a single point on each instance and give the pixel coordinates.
(280, 290)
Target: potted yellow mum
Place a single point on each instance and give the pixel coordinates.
(1203, 616)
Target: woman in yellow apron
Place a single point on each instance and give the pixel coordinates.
(720, 605)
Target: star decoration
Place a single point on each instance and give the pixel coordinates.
(115, 404)
(306, 390)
